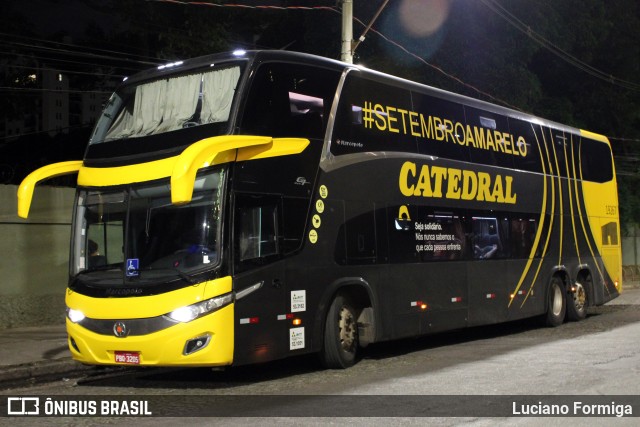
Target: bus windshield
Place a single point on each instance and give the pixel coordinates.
(137, 235)
(169, 104)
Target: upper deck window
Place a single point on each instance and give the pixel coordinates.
(169, 104)
(287, 99)
(596, 161)
(370, 118)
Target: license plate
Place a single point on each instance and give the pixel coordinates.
(128, 357)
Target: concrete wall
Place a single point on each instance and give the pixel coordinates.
(34, 257)
(631, 246)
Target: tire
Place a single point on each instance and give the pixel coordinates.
(578, 300)
(340, 335)
(556, 303)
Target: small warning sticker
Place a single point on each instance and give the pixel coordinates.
(298, 301)
(296, 338)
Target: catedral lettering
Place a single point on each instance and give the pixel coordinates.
(451, 183)
(401, 121)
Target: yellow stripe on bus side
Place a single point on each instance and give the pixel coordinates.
(595, 136)
(541, 221)
(551, 219)
(576, 196)
(560, 198)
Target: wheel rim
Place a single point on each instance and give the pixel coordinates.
(579, 297)
(348, 329)
(557, 301)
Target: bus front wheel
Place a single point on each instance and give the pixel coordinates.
(340, 335)
(556, 302)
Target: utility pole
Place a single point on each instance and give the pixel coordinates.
(349, 46)
(347, 31)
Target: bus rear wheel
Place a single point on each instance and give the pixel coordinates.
(577, 301)
(340, 335)
(556, 303)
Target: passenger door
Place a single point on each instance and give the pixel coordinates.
(259, 276)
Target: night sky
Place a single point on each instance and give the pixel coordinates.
(573, 61)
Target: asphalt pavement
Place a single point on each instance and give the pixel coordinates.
(35, 354)
(38, 354)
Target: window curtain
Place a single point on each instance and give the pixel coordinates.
(167, 104)
(122, 126)
(147, 108)
(179, 103)
(218, 88)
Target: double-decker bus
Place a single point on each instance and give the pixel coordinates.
(249, 206)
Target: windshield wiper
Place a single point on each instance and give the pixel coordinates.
(177, 272)
(102, 268)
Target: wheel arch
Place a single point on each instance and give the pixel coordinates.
(360, 294)
(555, 296)
(563, 274)
(582, 272)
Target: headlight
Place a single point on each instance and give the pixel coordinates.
(75, 315)
(193, 311)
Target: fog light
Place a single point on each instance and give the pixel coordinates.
(73, 344)
(196, 344)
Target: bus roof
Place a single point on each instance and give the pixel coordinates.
(260, 56)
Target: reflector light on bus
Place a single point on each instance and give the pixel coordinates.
(421, 305)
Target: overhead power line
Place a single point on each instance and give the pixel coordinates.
(88, 73)
(440, 70)
(615, 138)
(498, 9)
(80, 54)
(35, 89)
(76, 46)
(491, 4)
(367, 27)
(247, 6)
(66, 128)
(50, 60)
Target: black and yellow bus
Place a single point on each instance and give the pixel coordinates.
(249, 206)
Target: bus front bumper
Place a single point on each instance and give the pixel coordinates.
(206, 341)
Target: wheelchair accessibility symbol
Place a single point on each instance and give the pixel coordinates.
(133, 267)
